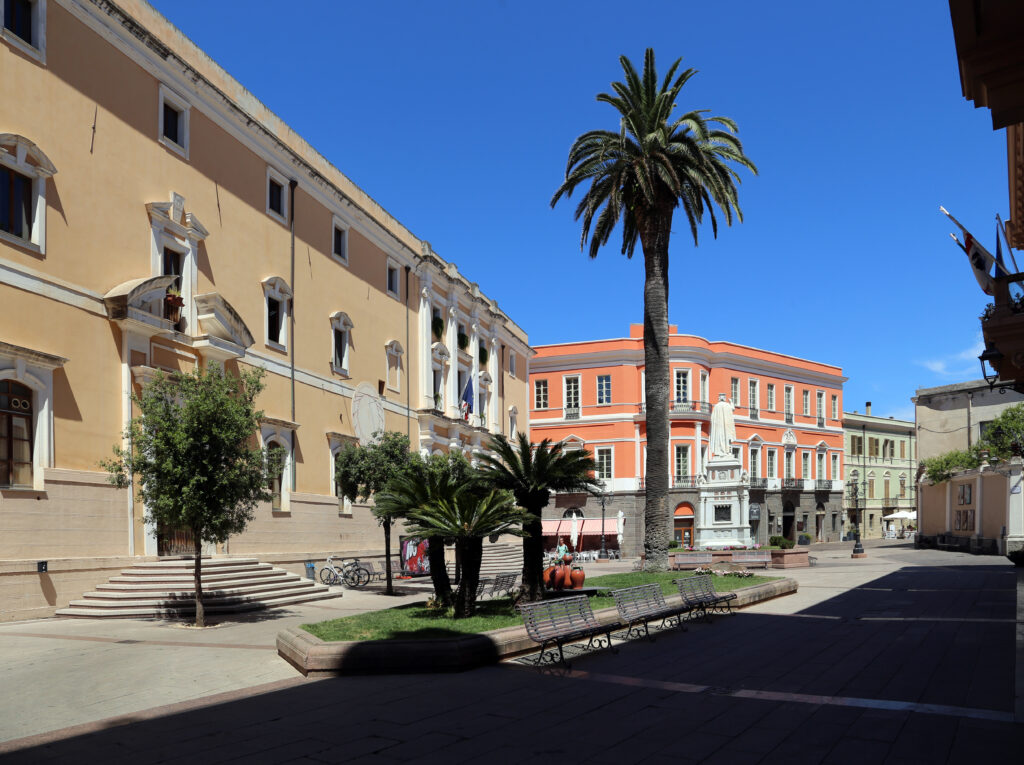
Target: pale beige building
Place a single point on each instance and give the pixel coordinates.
(137, 175)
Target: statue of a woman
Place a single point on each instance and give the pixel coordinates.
(723, 428)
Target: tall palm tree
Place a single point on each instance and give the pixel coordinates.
(531, 473)
(466, 517)
(638, 175)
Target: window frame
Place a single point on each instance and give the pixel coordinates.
(602, 399)
(184, 108)
(682, 449)
(770, 397)
(835, 407)
(512, 363)
(393, 351)
(36, 50)
(771, 463)
(683, 374)
(28, 416)
(397, 292)
(734, 391)
(280, 179)
(806, 402)
(610, 453)
(565, 392)
(538, 385)
(15, 154)
(338, 225)
(277, 289)
(340, 322)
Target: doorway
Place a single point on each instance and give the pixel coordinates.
(789, 521)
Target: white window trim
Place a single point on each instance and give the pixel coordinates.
(597, 390)
(565, 392)
(168, 96)
(35, 372)
(704, 387)
(277, 288)
(15, 151)
(339, 224)
(754, 455)
(805, 402)
(771, 463)
(769, 396)
(37, 52)
(394, 350)
(735, 391)
(684, 372)
(335, 444)
(397, 293)
(754, 402)
(787, 399)
(835, 407)
(284, 436)
(675, 459)
(342, 323)
(611, 463)
(819, 403)
(277, 177)
(834, 463)
(512, 363)
(547, 395)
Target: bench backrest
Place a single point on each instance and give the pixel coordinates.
(695, 590)
(505, 581)
(635, 602)
(685, 559)
(550, 618)
(743, 556)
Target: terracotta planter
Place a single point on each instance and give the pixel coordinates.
(548, 577)
(567, 559)
(577, 576)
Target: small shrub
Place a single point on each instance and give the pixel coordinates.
(781, 542)
(703, 571)
(437, 326)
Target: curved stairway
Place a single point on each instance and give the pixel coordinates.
(497, 558)
(166, 588)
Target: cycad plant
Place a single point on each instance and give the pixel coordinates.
(531, 473)
(638, 176)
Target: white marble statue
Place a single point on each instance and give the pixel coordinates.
(723, 428)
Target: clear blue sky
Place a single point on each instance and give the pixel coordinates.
(457, 117)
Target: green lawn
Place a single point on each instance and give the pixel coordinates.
(417, 622)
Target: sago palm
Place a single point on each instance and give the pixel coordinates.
(638, 176)
(531, 473)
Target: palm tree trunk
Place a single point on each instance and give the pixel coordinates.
(200, 611)
(655, 228)
(439, 572)
(532, 587)
(387, 557)
(471, 551)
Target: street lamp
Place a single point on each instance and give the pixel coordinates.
(603, 555)
(992, 356)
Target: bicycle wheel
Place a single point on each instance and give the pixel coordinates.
(364, 576)
(351, 576)
(329, 576)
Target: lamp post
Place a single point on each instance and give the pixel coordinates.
(858, 548)
(603, 555)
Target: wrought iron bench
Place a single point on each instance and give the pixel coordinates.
(685, 561)
(699, 594)
(752, 557)
(553, 623)
(644, 603)
(501, 584)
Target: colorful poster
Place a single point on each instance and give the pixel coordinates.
(415, 560)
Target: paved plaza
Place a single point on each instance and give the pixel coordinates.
(906, 656)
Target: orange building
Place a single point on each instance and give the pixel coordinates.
(789, 434)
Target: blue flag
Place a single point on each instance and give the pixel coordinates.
(466, 402)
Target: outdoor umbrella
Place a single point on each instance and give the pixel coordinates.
(620, 524)
(574, 534)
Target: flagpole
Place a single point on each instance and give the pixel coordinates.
(1009, 248)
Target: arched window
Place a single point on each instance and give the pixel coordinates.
(573, 512)
(15, 435)
(276, 462)
(23, 173)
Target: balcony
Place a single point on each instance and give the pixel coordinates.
(1002, 325)
(572, 413)
(684, 481)
(789, 418)
(793, 483)
(822, 485)
(754, 413)
(680, 408)
(758, 483)
(821, 421)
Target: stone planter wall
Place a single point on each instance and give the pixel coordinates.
(795, 558)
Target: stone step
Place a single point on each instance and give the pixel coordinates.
(190, 570)
(189, 562)
(118, 596)
(188, 579)
(117, 585)
(187, 607)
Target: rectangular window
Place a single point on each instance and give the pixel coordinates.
(604, 389)
(393, 288)
(871, 487)
(604, 462)
(512, 363)
(274, 317)
(752, 394)
(903, 450)
(734, 391)
(723, 513)
(788, 399)
(339, 243)
(807, 402)
(275, 197)
(682, 460)
(820, 404)
(770, 465)
(771, 397)
(789, 465)
(340, 347)
(540, 394)
(856, 446)
(703, 386)
(15, 204)
(172, 124)
(835, 407)
(820, 475)
(18, 19)
(835, 467)
(682, 388)
(805, 466)
(572, 392)
(872, 447)
(755, 463)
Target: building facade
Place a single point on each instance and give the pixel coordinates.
(880, 472)
(789, 437)
(155, 216)
(979, 509)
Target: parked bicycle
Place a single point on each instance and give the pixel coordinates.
(352, 573)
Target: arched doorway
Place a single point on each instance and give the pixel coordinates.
(683, 524)
(819, 523)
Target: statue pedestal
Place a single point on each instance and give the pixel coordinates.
(723, 515)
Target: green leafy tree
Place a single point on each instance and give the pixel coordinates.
(193, 459)
(1004, 436)
(531, 473)
(361, 472)
(638, 176)
(466, 518)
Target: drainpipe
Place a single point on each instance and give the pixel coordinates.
(970, 400)
(291, 280)
(408, 377)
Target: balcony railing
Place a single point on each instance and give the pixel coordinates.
(680, 407)
(753, 413)
(758, 483)
(823, 485)
(792, 483)
(684, 481)
(789, 418)
(821, 421)
(572, 413)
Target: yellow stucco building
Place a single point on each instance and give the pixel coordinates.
(154, 215)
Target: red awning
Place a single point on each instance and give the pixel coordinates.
(593, 526)
(551, 527)
(684, 509)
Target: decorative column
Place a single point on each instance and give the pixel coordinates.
(426, 341)
(474, 355)
(978, 502)
(453, 392)
(1014, 508)
(494, 424)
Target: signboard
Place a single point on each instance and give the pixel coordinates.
(755, 511)
(415, 560)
